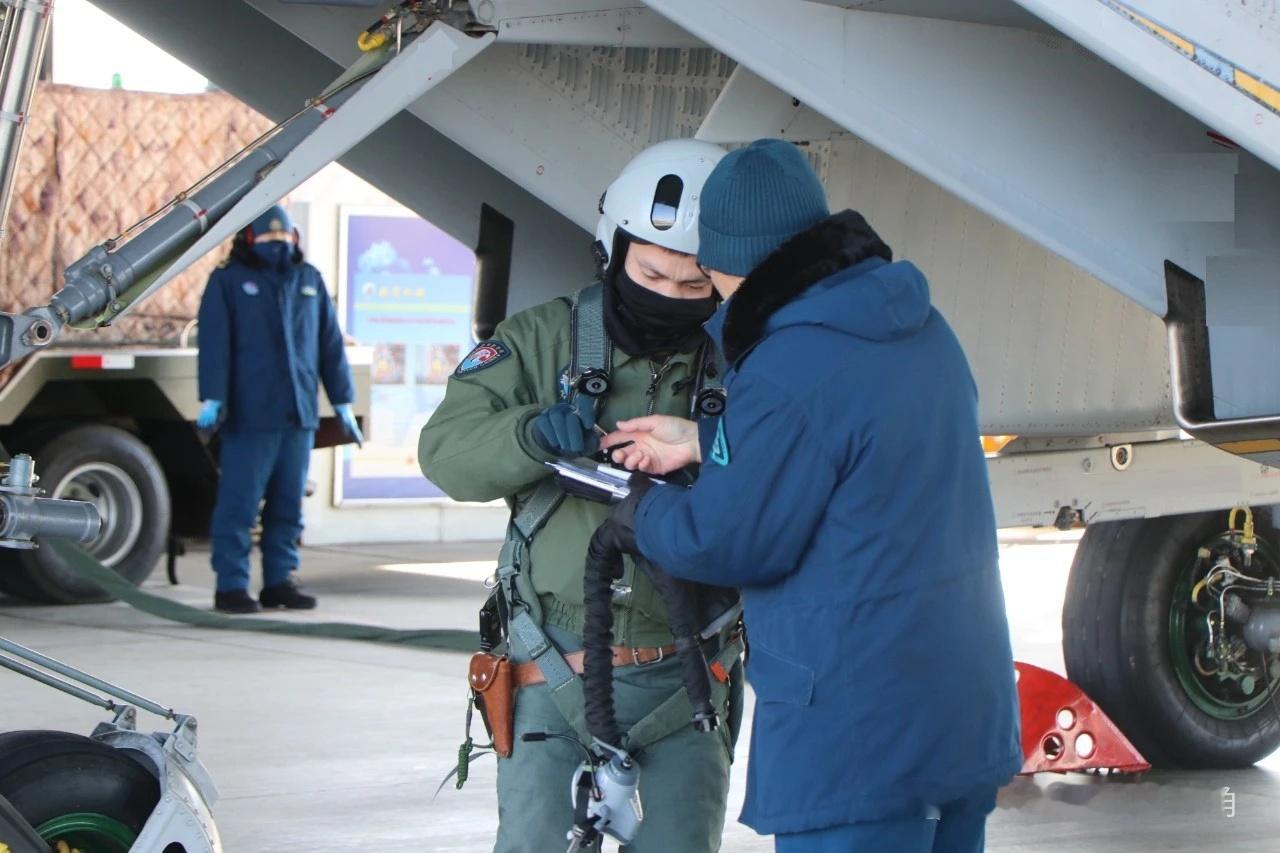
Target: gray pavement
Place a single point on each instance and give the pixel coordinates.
(338, 746)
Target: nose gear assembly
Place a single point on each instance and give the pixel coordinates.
(181, 815)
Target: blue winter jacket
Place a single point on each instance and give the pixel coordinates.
(845, 492)
(267, 339)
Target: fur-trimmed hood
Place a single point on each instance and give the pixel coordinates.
(835, 274)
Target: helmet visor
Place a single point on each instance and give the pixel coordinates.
(666, 202)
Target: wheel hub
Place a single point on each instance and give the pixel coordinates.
(87, 832)
(1217, 669)
(118, 501)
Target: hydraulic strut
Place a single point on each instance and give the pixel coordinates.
(112, 276)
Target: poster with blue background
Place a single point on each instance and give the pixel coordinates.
(405, 292)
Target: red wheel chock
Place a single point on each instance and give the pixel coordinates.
(1063, 730)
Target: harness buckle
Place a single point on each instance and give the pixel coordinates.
(592, 382)
(635, 657)
(710, 402)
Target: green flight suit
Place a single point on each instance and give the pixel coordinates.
(477, 447)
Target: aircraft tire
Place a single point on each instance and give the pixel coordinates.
(69, 787)
(1125, 634)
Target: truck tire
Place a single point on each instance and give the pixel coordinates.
(71, 788)
(13, 576)
(1127, 638)
(112, 469)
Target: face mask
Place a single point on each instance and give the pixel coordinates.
(644, 323)
(274, 254)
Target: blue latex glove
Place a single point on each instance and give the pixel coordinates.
(349, 422)
(566, 431)
(208, 416)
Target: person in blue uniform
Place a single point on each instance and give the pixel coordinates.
(268, 337)
(844, 491)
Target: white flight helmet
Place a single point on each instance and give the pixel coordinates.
(655, 197)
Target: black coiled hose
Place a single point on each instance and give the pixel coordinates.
(681, 599)
(603, 567)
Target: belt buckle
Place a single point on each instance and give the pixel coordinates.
(635, 657)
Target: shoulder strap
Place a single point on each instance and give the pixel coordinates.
(591, 347)
(589, 374)
(592, 360)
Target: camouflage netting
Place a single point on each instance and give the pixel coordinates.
(95, 162)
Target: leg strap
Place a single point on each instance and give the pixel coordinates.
(676, 712)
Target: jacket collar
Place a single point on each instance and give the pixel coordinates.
(836, 243)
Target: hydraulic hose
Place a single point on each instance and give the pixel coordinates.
(603, 567)
(681, 599)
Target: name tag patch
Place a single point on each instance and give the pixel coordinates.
(308, 290)
(486, 354)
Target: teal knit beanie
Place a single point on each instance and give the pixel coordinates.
(755, 200)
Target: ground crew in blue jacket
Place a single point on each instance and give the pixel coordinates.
(845, 492)
(268, 335)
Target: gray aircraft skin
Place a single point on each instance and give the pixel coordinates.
(1091, 187)
(1042, 162)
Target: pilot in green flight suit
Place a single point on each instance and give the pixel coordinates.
(510, 407)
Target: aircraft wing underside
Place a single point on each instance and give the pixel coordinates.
(1046, 164)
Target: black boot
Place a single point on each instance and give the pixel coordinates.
(235, 601)
(286, 595)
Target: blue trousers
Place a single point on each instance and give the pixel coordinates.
(956, 827)
(267, 469)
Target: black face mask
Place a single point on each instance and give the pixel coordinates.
(644, 323)
(274, 255)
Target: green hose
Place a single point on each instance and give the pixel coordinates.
(443, 639)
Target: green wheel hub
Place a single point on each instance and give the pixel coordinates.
(1221, 697)
(88, 832)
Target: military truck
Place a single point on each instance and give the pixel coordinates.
(114, 426)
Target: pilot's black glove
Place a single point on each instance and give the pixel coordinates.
(565, 430)
(619, 529)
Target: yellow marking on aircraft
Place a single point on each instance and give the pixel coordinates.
(1259, 89)
(1261, 445)
(1242, 81)
(1163, 32)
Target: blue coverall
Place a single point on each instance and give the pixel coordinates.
(268, 336)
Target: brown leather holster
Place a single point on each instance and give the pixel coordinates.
(494, 689)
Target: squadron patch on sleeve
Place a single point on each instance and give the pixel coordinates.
(486, 354)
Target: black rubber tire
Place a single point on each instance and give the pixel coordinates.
(48, 774)
(13, 577)
(1115, 639)
(44, 576)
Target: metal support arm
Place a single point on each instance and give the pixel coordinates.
(115, 275)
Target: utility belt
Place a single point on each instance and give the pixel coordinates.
(494, 680)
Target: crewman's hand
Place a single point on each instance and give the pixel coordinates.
(349, 422)
(565, 430)
(660, 444)
(208, 416)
